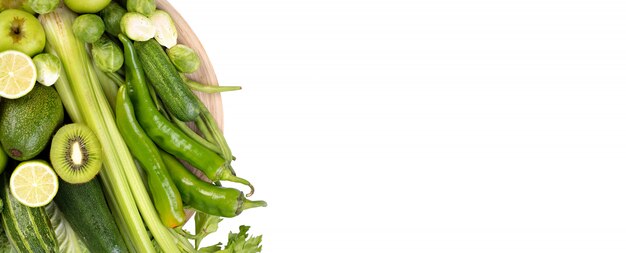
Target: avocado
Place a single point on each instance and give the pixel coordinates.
(27, 123)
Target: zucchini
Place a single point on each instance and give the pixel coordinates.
(172, 90)
(28, 229)
(5, 245)
(87, 212)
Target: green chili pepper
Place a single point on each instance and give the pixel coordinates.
(205, 197)
(165, 195)
(163, 132)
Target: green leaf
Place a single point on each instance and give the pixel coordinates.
(211, 249)
(68, 240)
(205, 225)
(240, 243)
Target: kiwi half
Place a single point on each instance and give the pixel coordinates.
(76, 153)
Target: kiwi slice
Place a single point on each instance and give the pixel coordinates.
(75, 153)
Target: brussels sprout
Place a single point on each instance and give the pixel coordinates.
(43, 6)
(166, 33)
(184, 58)
(88, 27)
(48, 68)
(16, 4)
(107, 55)
(112, 15)
(137, 27)
(145, 7)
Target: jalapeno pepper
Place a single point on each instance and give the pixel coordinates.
(205, 197)
(165, 195)
(163, 132)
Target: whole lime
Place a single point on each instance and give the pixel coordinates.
(82, 6)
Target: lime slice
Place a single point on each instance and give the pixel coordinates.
(34, 183)
(17, 74)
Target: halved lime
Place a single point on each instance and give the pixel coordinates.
(17, 74)
(34, 183)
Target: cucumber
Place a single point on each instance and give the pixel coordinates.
(28, 229)
(87, 212)
(172, 90)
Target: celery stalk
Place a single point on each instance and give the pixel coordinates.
(69, 102)
(79, 90)
(65, 93)
(120, 178)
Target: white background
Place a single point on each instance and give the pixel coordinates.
(425, 126)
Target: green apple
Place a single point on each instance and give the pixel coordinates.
(24, 31)
(86, 6)
(15, 4)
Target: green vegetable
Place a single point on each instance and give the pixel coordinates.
(107, 55)
(86, 103)
(28, 123)
(207, 121)
(88, 27)
(211, 249)
(145, 7)
(112, 16)
(48, 68)
(166, 33)
(205, 197)
(28, 229)
(175, 95)
(15, 4)
(165, 195)
(184, 58)
(237, 243)
(68, 239)
(193, 135)
(43, 6)
(205, 224)
(137, 26)
(212, 132)
(240, 243)
(86, 210)
(163, 132)
(207, 88)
